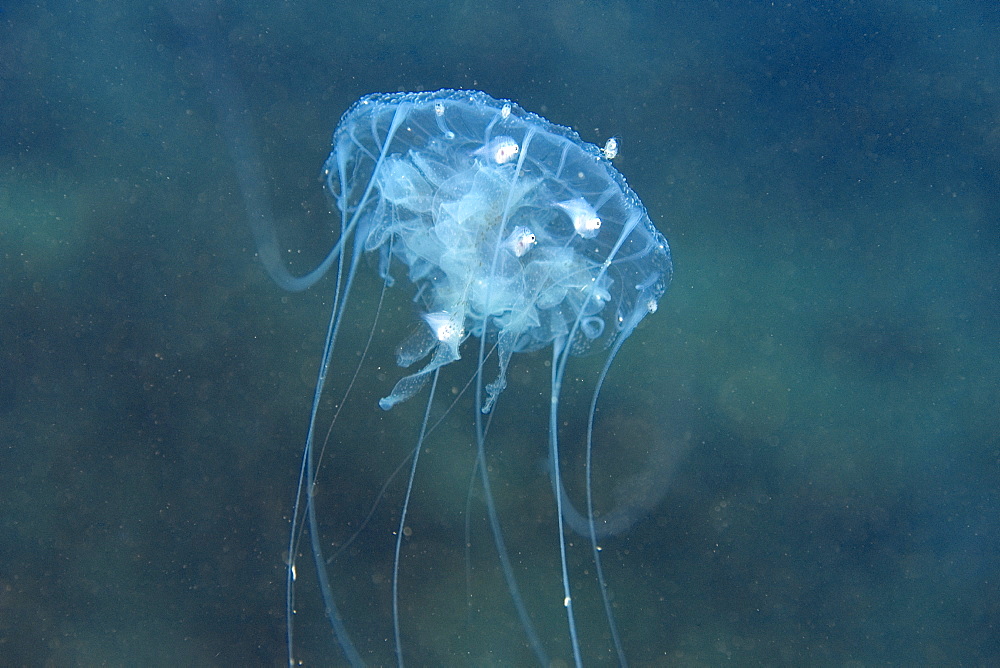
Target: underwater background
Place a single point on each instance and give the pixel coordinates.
(821, 377)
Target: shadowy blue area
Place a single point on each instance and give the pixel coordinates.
(816, 395)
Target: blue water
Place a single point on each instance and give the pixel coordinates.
(820, 380)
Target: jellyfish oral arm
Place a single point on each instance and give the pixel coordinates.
(444, 353)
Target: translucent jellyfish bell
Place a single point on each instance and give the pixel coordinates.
(453, 178)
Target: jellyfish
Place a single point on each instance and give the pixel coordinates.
(516, 237)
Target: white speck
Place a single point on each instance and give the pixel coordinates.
(500, 150)
(447, 328)
(610, 150)
(520, 241)
(585, 220)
